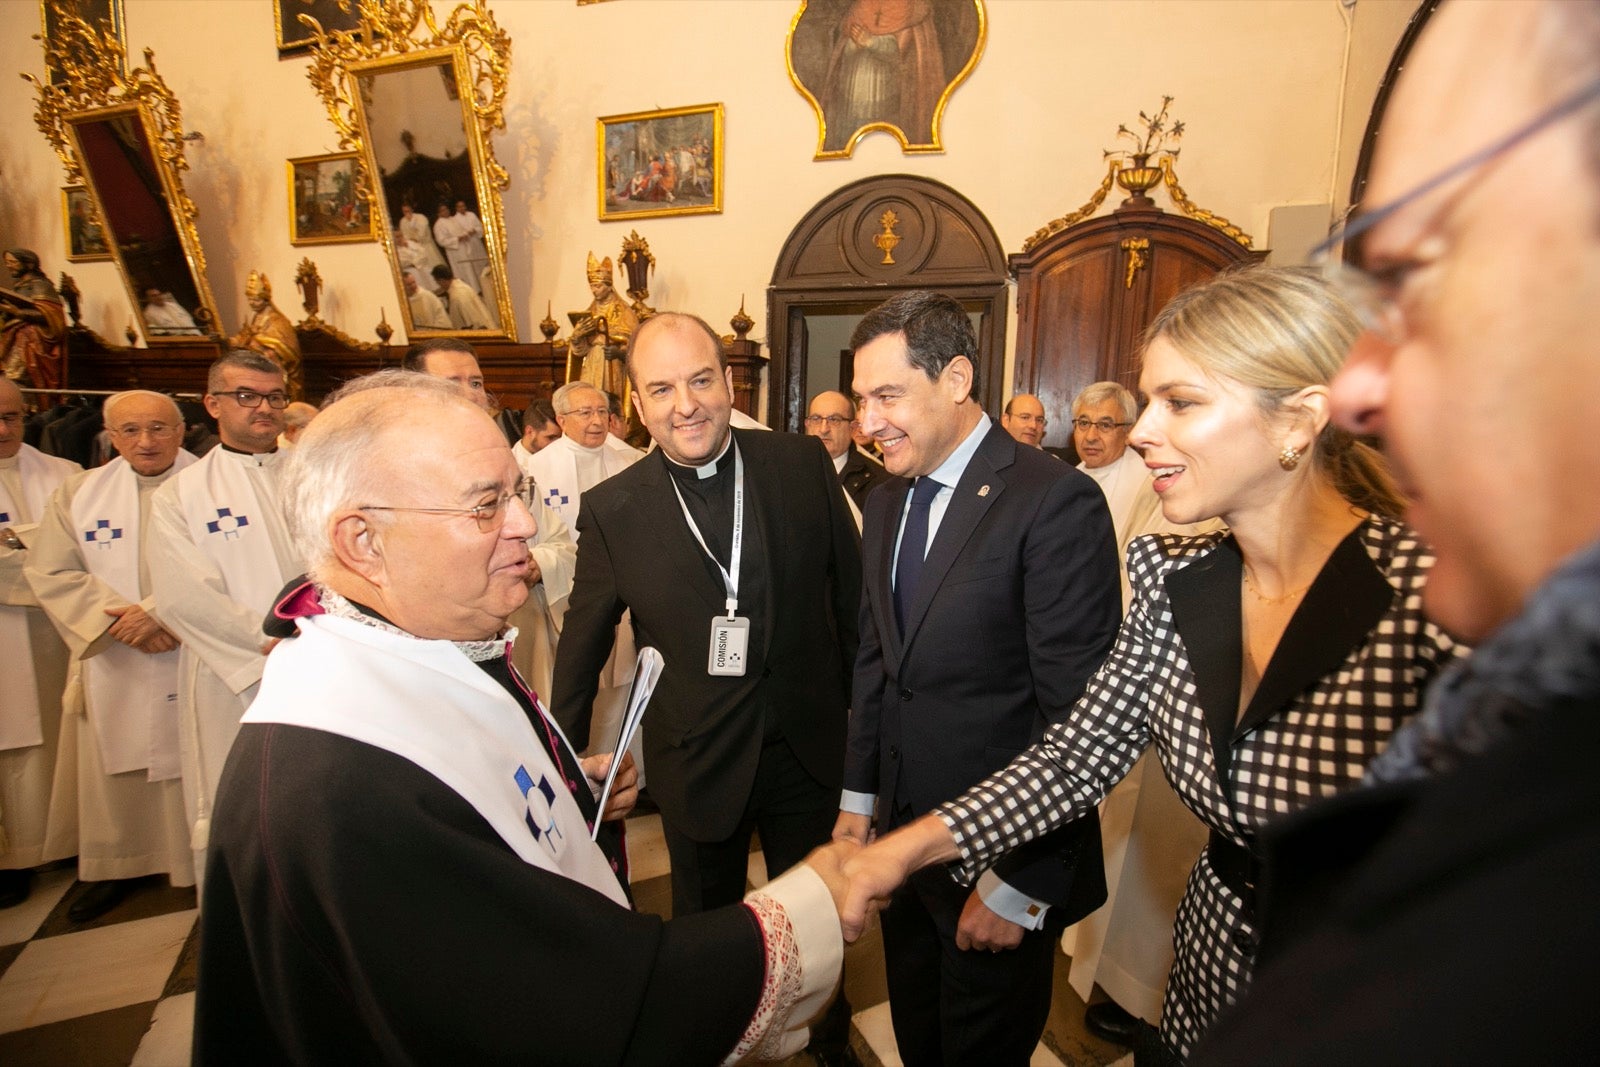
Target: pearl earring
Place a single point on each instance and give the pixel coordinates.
(1289, 458)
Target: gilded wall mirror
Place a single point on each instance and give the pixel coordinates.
(121, 137)
(418, 101)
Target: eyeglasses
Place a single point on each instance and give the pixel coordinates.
(1103, 425)
(490, 515)
(249, 398)
(1374, 294)
(585, 414)
(1024, 417)
(160, 431)
(831, 420)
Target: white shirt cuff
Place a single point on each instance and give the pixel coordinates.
(1011, 904)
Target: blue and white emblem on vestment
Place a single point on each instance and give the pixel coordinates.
(540, 816)
(227, 523)
(555, 498)
(103, 534)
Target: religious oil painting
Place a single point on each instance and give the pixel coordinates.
(86, 238)
(655, 163)
(295, 37)
(99, 14)
(883, 65)
(324, 206)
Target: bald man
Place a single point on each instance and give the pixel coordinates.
(89, 569)
(36, 662)
(1024, 420)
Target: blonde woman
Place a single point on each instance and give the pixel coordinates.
(1268, 663)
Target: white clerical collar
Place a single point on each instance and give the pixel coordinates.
(707, 469)
(11, 463)
(578, 446)
(840, 460)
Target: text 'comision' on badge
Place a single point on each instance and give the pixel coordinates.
(730, 638)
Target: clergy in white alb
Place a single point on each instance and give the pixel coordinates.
(36, 665)
(218, 554)
(88, 567)
(401, 817)
(574, 463)
(1150, 839)
(427, 310)
(467, 310)
(471, 256)
(419, 233)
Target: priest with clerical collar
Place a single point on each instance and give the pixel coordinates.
(402, 863)
(219, 552)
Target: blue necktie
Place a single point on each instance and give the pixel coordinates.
(913, 547)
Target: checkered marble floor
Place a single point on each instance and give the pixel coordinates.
(120, 990)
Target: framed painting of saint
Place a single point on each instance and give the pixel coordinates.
(883, 65)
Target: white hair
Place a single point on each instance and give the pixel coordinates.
(561, 400)
(331, 467)
(117, 398)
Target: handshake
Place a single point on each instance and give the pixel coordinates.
(862, 873)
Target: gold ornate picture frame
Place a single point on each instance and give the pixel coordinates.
(325, 207)
(882, 65)
(86, 238)
(370, 80)
(657, 163)
(100, 14)
(294, 37)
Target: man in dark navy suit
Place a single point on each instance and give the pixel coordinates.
(991, 596)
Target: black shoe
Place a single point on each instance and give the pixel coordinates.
(15, 887)
(1109, 1022)
(97, 899)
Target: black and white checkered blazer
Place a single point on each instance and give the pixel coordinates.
(1348, 670)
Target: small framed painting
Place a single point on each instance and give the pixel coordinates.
(656, 163)
(86, 240)
(324, 207)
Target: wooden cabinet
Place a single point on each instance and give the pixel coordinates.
(1086, 294)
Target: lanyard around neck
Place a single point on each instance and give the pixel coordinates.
(730, 581)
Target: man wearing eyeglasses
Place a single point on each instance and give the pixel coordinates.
(829, 419)
(1024, 419)
(89, 569)
(409, 863)
(35, 671)
(562, 473)
(1447, 914)
(218, 553)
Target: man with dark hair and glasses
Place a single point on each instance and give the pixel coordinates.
(1447, 914)
(409, 863)
(218, 551)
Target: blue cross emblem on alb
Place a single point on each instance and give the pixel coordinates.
(540, 816)
(227, 523)
(555, 498)
(5, 516)
(103, 534)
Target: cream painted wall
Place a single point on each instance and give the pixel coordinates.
(1258, 82)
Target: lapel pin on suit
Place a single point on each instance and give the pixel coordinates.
(983, 490)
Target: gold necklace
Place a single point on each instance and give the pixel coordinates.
(1250, 584)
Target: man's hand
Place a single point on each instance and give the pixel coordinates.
(624, 791)
(879, 869)
(853, 827)
(828, 861)
(136, 628)
(982, 930)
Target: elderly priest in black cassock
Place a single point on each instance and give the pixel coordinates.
(401, 867)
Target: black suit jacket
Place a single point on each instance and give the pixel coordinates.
(859, 475)
(703, 734)
(1019, 603)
